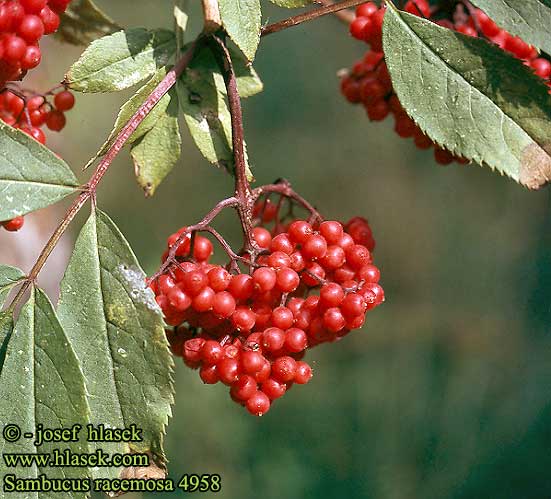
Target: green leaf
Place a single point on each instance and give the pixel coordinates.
(202, 96)
(121, 60)
(181, 18)
(131, 106)
(242, 20)
(31, 176)
(529, 19)
(291, 4)
(6, 330)
(156, 153)
(471, 97)
(248, 81)
(116, 329)
(9, 277)
(41, 383)
(83, 22)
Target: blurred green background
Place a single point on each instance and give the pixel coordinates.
(445, 392)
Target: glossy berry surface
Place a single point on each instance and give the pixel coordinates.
(313, 282)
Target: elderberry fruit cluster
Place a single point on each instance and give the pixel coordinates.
(368, 83)
(312, 283)
(22, 24)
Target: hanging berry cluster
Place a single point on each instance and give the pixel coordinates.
(22, 24)
(369, 83)
(313, 282)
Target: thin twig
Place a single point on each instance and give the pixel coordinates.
(242, 188)
(199, 226)
(284, 188)
(309, 16)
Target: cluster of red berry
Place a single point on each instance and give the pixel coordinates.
(22, 24)
(29, 113)
(312, 283)
(369, 81)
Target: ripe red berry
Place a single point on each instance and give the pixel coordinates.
(228, 370)
(14, 225)
(50, 20)
(223, 304)
(273, 388)
(295, 340)
(303, 373)
(251, 361)
(244, 388)
(273, 339)
(14, 48)
(258, 404)
(64, 101)
(33, 6)
(56, 121)
(212, 352)
(241, 286)
(284, 368)
(31, 28)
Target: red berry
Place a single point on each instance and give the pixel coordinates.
(14, 225)
(295, 340)
(314, 247)
(56, 121)
(33, 6)
(241, 286)
(265, 278)
(284, 368)
(31, 28)
(273, 339)
(228, 370)
(223, 304)
(64, 101)
(303, 373)
(262, 237)
(14, 48)
(209, 375)
(212, 352)
(219, 278)
(287, 280)
(274, 389)
(331, 295)
(282, 318)
(251, 361)
(244, 388)
(258, 404)
(50, 20)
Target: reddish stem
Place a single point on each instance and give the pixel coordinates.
(330, 8)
